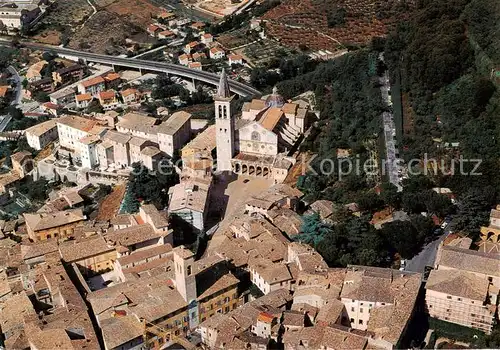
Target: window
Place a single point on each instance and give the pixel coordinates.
(448, 297)
(361, 304)
(352, 309)
(255, 136)
(189, 270)
(360, 321)
(352, 320)
(459, 299)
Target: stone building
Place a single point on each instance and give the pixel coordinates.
(258, 143)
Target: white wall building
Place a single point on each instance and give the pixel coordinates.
(71, 129)
(40, 135)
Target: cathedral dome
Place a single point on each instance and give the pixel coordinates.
(275, 99)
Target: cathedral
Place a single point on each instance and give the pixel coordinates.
(259, 142)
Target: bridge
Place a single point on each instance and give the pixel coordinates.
(169, 68)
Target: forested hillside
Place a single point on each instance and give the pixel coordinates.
(446, 56)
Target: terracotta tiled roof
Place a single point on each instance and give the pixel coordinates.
(79, 123)
(72, 251)
(45, 221)
(128, 92)
(112, 76)
(83, 97)
(106, 95)
(92, 82)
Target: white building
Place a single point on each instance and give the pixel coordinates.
(88, 151)
(217, 53)
(269, 276)
(257, 144)
(174, 133)
(83, 100)
(38, 136)
(235, 59)
(370, 290)
(71, 129)
(20, 15)
(207, 39)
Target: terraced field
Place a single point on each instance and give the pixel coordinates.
(330, 24)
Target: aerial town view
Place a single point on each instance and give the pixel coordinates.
(249, 174)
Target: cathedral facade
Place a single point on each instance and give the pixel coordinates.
(259, 142)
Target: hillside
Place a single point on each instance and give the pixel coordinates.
(74, 23)
(328, 24)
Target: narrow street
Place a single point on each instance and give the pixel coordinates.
(427, 257)
(18, 83)
(391, 159)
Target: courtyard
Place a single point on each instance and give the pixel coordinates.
(228, 199)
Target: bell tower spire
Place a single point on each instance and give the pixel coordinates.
(223, 88)
(224, 124)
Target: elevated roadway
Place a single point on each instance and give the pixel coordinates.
(169, 68)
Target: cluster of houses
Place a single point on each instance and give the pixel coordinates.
(68, 85)
(60, 76)
(168, 26)
(105, 90)
(158, 293)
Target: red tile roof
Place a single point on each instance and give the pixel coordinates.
(106, 95)
(92, 82)
(112, 76)
(83, 97)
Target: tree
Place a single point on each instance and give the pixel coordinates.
(473, 209)
(35, 190)
(149, 187)
(369, 202)
(3, 103)
(390, 195)
(15, 113)
(336, 18)
(95, 107)
(313, 230)
(8, 161)
(41, 97)
(402, 237)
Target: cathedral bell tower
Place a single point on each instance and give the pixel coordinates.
(224, 124)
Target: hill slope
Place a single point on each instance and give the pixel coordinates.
(329, 24)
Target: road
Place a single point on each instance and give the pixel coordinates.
(427, 256)
(391, 165)
(4, 121)
(17, 79)
(169, 68)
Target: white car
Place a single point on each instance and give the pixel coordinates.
(444, 224)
